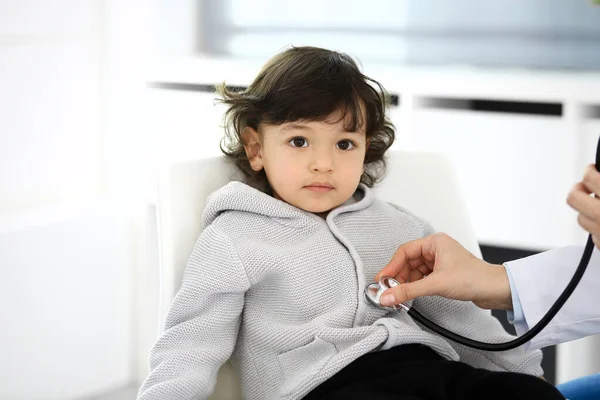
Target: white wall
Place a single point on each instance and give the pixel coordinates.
(50, 102)
(67, 325)
(70, 237)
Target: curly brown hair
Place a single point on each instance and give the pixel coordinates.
(311, 84)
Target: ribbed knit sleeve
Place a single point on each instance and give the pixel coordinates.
(202, 324)
(468, 320)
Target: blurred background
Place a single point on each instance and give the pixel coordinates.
(97, 96)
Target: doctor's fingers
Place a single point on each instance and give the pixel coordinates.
(422, 287)
(414, 255)
(418, 274)
(405, 271)
(590, 225)
(407, 274)
(591, 179)
(579, 199)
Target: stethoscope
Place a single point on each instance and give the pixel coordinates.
(374, 290)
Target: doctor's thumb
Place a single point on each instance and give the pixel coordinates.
(408, 291)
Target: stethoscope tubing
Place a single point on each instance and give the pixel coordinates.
(542, 323)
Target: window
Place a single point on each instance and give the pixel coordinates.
(527, 33)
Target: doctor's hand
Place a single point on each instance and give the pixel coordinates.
(439, 265)
(588, 206)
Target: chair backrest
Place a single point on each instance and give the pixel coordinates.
(425, 183)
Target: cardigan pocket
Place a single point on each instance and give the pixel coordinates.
(303, 363)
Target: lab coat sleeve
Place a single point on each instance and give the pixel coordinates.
(202, 323)
(540, 279)
(515, 316)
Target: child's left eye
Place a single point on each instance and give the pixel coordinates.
(345, 145)
(298, 142)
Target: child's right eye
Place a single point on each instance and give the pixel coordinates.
(298, 142)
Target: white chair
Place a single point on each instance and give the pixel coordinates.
(425, 183)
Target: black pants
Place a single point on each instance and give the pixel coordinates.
(415, 372)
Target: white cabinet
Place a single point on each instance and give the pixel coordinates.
(591, 133)
(511, 169)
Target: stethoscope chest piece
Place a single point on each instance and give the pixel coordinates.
(374, 291)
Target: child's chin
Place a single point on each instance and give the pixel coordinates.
(314, 207)
(319, 209)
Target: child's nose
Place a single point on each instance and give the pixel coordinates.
(322, 161)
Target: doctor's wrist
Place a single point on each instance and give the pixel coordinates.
(494, 289)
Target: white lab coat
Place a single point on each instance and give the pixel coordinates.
(540, 279)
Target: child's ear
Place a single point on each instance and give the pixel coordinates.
(252, 147)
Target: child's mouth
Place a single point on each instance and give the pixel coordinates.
(319, 188)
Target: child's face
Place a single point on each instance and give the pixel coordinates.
(315, 166)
